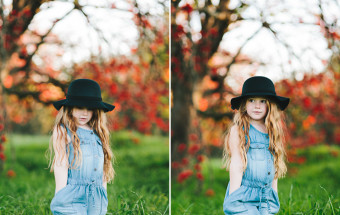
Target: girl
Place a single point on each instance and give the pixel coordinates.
(254, 152)
(82, 162)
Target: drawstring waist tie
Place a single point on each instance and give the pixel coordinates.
(261, 185)
(91, 183)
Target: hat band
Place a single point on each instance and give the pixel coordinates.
(90, 98)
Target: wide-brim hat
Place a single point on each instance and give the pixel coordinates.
(259, 86)
(84, 93)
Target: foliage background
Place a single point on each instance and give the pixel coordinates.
(124, 46)
(216, 46)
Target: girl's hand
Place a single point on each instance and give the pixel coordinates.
(274, 185)
(236, 166)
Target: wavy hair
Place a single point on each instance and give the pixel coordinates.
(275, 125)
(98, 123)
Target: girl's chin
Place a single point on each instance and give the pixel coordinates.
(258, 118)
(82, 122)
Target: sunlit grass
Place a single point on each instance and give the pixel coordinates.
(140, 186)
(310, 188)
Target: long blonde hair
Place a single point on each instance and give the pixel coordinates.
(275, 125)
(98, 123)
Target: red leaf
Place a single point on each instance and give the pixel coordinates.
(187, 8)
(210, 192)
(199, 176)
(11, 173)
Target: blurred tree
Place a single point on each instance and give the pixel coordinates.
(28, 74)
(313, 116)
(142, 101)
(200, 67)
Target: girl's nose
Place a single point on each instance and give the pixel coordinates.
(257, 104)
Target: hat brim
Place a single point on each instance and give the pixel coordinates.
(281, 101)
(80, 103)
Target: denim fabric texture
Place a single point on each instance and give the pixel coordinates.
(256, 195)
(84, 192)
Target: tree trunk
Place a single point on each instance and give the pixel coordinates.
(2, 125)
(180, 117)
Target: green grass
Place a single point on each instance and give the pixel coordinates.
(313, 189)
(140, 186)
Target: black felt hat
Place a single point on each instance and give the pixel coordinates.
(84, 93)
(259, 86)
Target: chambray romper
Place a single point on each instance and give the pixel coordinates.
(84, 192)
(256, 195)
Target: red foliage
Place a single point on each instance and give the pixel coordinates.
(184, 175)
(307, 102)
(200, 158)
(11, 173)
(194, 148)
(113, 88)
(8, 81)
(181, 147)
(313, 112)
(193, 137)
(141, 100)
(139, 83)
(177, 32)
(2, 156)
(299, 160)
(197, 167)
(135, 140)
(185, 161)
(337, 138)
(3, 138)
(214, 32)
(210, 192)
(175, 165)
(187, 8)
(199, 176)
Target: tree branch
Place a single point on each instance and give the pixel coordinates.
(30, 56)
(289, 49)
(214, 115)
(54, 81)
(239, 50)
(96, 29)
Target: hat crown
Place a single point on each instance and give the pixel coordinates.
(84, 88)
(258, 84)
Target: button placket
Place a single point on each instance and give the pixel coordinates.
(96, 146)
(268, 156)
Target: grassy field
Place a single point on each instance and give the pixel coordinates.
(310, 188)
(141, 185)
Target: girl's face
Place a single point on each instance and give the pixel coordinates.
(257, 108)
(82, 115)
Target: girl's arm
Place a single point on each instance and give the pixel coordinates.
(105, 185)
(60, 166)
(236, 166)
(274, 184)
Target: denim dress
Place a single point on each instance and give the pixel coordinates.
(84, 192)
(256, 195)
